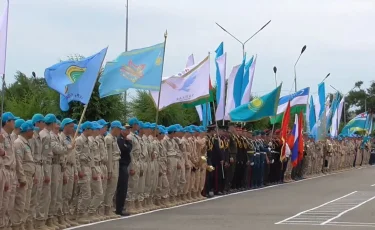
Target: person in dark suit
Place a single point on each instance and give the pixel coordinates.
(125, 146)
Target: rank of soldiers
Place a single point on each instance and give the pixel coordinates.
(52, 179)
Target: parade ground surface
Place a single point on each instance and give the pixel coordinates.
(345, 200)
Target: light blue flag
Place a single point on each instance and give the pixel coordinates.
(138, 69)
(219, 51)
(206, 114)
(312, 116)
(75, 80)
(246, 76)
(334, 105)
(237, 86)
(322, 97)
(357, 124)
(258, 108)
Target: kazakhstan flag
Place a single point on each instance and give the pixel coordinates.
(138, 69)
(258, 108)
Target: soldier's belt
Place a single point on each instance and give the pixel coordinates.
(70, 164)
(40, 162)
(7, 167)
(250, 152)
(55, 161)
(97, 163)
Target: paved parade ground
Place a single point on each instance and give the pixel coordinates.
(340, 201)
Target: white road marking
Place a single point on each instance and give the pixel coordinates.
(373, 185)
(348, 210)
(298, 214)
(214, 198)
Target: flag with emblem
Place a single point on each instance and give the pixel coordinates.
(258, 108)
(189, 85)
(75, 80)
(137, 69)
(357, 124)
(298, 102)
(3, 38)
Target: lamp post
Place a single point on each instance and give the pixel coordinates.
(243, 43)
(295, 72)
(126, 48)
(273, 125)
(326, 77)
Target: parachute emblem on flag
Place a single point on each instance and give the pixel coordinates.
(133, 72)
(74, 73)
(255, 104)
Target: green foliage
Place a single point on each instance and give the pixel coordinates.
(359, 99)
(143, 107)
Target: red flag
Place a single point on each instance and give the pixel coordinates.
(300, 140)
(284, 132)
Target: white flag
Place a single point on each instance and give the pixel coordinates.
(334, 130)
(229, 105)
(190, 62)
(247, 93)
(188, 86)
(221, 65)
(3, 38)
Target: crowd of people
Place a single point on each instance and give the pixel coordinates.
(51, 178)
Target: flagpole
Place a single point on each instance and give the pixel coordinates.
(161, 78)
(126, 47)
(3, 77)
(85, 106)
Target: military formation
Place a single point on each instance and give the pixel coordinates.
(54, 175)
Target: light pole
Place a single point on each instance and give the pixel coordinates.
(243, 43)
(126, 48)
(326, 77)
(295, 72)
(273, 125)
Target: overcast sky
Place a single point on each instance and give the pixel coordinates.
(339, 35)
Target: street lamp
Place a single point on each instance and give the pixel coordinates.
(243, 43)
(326, 77)
(295, 73)
(275, 71)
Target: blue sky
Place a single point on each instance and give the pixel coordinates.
(339, 35)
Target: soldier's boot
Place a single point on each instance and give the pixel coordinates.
(107, 213)
(100, 216)
(150, 204)
(16, 227)
(165, 202)
(51, 224)
(62, 220)
(172, 201)
(157, 203)
(200, 197)
(29, 225)
(22, 226)
(146, 205)
(130, 207)
(137, 207)
(82, 219)
(178, 199)
(70, 221)
(183, 199)
(57, 223)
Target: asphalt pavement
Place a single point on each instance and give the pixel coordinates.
(344, 200)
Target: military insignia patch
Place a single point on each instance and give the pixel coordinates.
(133, 72)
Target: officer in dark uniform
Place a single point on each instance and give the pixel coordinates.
(240, 161)
(275, 169)
(209, 186)
(125, 146)
(229, 179)
(218, 162)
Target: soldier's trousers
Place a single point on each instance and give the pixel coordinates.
(275, 170)
(8, 197)
(163, 185)
(148, 179)
(201, 177)
(230, 175)
(189, 181)
(155, 177)
(97, 190)
(284, 168)
(255, 169)
(181, 177)
(172, 175)
(55, 206)
(21, 210)
(219, 178)
(84, 196)
(246, 177)
(68, 189)
(103, 168)
(45, 200)
(133, 182)
(111, 185)
(238, 175)
(3, 217)
(36, 193)
(142, 180)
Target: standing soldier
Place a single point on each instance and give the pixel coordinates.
(186, 152)
(17, 130)
(112, 166)
(232, 158)
(47, 155)
(134, 168)
(163, 184)
(25, 169)
(96, 171)
(9, 171)
(202, 164)
(153, 166)
(103, 161)
(84, 162)
(143, 168)
(172, 164)
(58, 167)
(37, 147)
(70, 172)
